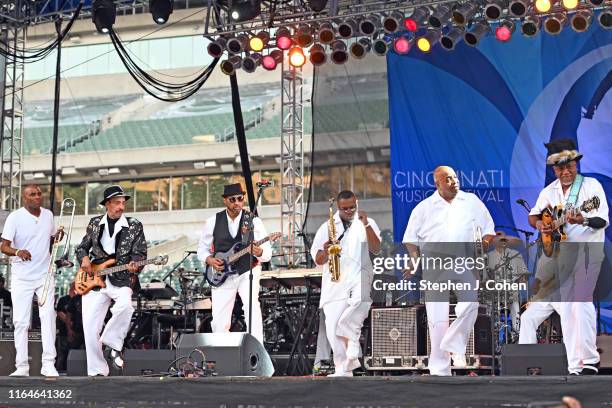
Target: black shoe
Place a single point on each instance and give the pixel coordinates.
(115, 361)
(590, 369)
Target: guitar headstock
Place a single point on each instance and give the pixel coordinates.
(275, 235)
(160, 260)
(591, 204)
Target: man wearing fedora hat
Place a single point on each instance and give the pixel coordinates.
(221, 232)
(112, 235)
(577, 265)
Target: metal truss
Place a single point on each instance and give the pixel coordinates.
(292, 166)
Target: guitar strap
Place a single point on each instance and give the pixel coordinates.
(575, 189)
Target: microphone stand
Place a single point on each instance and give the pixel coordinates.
(251, 237)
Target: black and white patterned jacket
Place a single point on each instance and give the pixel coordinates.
(130, 245)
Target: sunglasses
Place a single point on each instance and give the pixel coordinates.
(347, 209)
(239, 198)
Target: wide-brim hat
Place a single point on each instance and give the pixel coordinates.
(232, 190)
(561, 151)
(112, 192)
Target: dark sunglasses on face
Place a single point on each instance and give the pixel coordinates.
(239, 198)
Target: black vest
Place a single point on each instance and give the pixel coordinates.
(223, 241)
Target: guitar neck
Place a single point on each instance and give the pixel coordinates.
(246, 250)
(119, 268)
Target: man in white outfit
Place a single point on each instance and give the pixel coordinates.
(26, 238)
(448, 217)
(346, 303)
(112, 235)
(221, 232)
(577, 265)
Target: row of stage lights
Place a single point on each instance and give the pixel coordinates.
(447, 25)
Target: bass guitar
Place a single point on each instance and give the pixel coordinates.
(238, 250)
(84, 282)
(556, 218)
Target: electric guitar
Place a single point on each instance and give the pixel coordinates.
(238, 250)
(85, 282)
(556, 218)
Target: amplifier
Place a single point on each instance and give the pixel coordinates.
(9, 335)
(7, 356)
(398, 335)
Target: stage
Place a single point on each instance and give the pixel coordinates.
(306, 392)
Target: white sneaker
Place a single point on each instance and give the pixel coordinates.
(21, 372)
(459, 361)
(341, 374)
(48, 371)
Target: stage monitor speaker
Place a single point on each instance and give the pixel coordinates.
(534, 359)
(234, 354)
(7, 357)
(604, 346)
(146, 362)
(76, 363)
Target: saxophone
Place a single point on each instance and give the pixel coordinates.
(334, 250)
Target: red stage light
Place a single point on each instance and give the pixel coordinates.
(268, 62)
(410, 24)
(401, 45)
(502, 33)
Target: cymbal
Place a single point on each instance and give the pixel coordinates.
(188, 273)
(507, 241)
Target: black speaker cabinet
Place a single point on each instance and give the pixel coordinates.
(137, 362)
(76, 363)
(7, 357)
(235, 354)
(534, 359)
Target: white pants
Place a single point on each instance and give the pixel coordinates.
(95, 306)
(343, 322)
(223, 299)
(447, 339)
(22, 293)
(578, 323)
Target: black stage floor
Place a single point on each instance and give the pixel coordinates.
(303, 392)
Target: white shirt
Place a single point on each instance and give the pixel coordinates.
(206, 240)
(352, 268)
(106, 240)
(25, 231)
(553, 195)
(436, 220)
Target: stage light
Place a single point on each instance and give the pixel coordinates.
(440, 17)
(326, 33)
(317, 5)
(401, 45)
(426, 42)
(582, 20)
(283, 38)
(360, 48)
(217, 48)
(339, 55)
(518, 8)
(450, 40)
(569, 4)
(473, 37)
(494, 9)
(464, 13)
(161, 10)
(369, 25)
(391, 23)
(317, 55)
(258, 42)
(417, 19)
(269, 62)
(504, 31)
(605, 18)
(238, 44)
(250, 63)
(244, 10)
(347, 28)
(296, 57)
(103, 15)
(595, 3)
(555, 23)
(230, 65)
(531, 26)
(303, 35)
(543, 6)
(380, 46)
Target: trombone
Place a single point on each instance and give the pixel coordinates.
(64, 261)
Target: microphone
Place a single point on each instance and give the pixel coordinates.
(524, 204)
(265, 183)
(191, 252)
